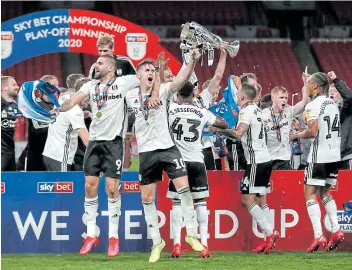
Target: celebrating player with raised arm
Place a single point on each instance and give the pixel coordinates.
(105, 150)
(186, 123)
(250, 129)
(157, 151)
(323, 119)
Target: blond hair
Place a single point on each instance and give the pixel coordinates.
(48, 78)
(105, 40)
(278, 89)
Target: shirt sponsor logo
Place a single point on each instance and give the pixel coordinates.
(55, 187)
(109, 97)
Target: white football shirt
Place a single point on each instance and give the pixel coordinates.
(61, 143)
(113, 120)
(204, 101)
(186, 125)
(277, 129)
(154, 135)
(253, 141)
(326, 146)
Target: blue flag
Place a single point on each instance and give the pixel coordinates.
(227, 107)
(28, 101)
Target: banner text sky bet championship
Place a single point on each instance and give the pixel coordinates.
(44, 213)
(75, 31)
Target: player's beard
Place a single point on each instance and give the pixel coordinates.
(100, 75)
(13, 95)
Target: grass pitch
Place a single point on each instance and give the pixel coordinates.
(341, 260)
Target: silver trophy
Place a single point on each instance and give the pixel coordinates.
(193, 33)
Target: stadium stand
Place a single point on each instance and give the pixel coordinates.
(335, 55)
(273, 61)
(343, 11)
(35, 68)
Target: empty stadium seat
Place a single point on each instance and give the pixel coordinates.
(170, 13)
(335, 56)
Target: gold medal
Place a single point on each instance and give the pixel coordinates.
(99, 114)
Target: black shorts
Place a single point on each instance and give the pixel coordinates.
(239, 160)
(104, 157)
(209, 159)
(153, 163)
(345, 164)
(256, 179)
(197, 179)
(53, 165)
(8, 162)
(283, 165)
(320, 174)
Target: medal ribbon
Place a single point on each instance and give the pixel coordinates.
(102, 101)
(144, 105)
(276, 122)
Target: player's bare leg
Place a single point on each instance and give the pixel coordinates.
(202, 219)
(261, 202)
(114, 208)
(176, 221)
(182, 187)
(151, 217)
(337, 236)
(248, 201)
(314, 213)
(90, 209)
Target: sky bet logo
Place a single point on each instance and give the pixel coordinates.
(130, 187)
(344, 219)
(55, 187)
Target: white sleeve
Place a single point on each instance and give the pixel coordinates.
(206, 97)
(245, 116)
(77, 118)
(210, 117)
(311, 112)
(164, 91)
(128, 83)
(85, 88)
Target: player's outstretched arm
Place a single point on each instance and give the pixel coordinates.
(299, 107)
(220, 123)
(310, 132)
(240, 130)
(232, 132)
(71, 102)
(214, 85)
(185, 73)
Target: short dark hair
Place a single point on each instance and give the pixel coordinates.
(72, 79)
(186, 90)
(111, 59)
(245, 76)
(80, 83)
(249, 90)
(147, 61)
(266, 98)
(322, 80)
